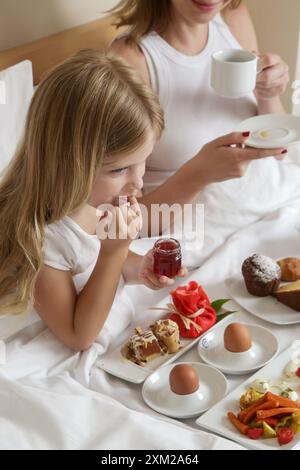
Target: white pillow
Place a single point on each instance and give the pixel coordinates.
(18, 87)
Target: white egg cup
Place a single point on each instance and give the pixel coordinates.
(264, 348)
(245, 359)
(158, 395)
(187, 401)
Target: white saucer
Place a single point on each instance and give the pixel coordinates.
(158, 395)
(264, 349)
(271, 130)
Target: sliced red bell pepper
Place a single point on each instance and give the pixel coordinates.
(270, 421)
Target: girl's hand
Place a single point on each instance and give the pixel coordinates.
(273, 79)
(119, 225)
(227, 158)
(147, 277)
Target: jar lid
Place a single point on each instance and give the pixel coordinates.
(167, 246)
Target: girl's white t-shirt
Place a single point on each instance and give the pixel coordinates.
(68, 247)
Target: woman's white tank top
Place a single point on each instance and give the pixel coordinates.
(195, 115)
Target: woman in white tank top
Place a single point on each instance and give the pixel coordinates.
(174, 56)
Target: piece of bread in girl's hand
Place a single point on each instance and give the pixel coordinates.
(121, 201)
(100, 214)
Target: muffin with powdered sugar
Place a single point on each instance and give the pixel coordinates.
(262, 275)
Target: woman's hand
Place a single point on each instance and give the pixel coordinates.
(147, 277)
(119, 225)
(227, 158)
(273, 79)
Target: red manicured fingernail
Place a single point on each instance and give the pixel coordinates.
(284, 151)
(246, 134)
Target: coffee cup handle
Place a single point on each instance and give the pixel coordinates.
(257, 55)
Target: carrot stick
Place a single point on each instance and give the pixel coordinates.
(262, 414)
(268, 405)
(256, 402)
(252, 407)
(283, 401)
(242, 428)
(269, 396)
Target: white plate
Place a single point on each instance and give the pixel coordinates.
(266, 308)
(158, 395)
(215, 420)
(114, 362)
(271, 130)
(264, 348)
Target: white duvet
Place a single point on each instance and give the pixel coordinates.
(51, 398)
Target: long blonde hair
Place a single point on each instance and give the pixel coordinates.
(143, 16)
(87, 109)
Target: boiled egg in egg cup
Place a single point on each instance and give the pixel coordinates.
(184, 390)
(238, 348)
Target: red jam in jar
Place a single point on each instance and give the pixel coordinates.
(166, 257)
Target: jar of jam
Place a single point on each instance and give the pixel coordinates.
(166, 257)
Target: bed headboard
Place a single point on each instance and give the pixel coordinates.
(47, 52)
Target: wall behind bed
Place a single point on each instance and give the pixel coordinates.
(23, 21)
(277, 25)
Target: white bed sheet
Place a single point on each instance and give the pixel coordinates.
(51, 398)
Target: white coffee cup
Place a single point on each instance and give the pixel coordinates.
(233, 72)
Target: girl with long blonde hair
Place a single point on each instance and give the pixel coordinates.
(170, 42)
(91, 125)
